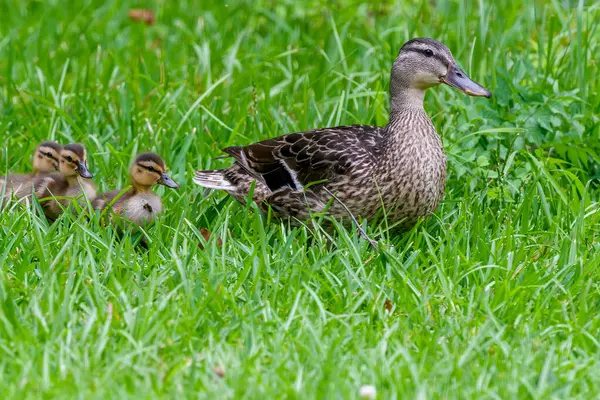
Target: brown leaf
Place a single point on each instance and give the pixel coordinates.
(219, 370)
(141, 15)
(388, 305)
(206, 234)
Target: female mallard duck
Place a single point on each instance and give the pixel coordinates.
(139, 204)
(56, 191)
(400, 167)
(45, 160)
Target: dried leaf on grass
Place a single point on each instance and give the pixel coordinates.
(388, 305)
(219, 370)
(206, 234)
(142, 15)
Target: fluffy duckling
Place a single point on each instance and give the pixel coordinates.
(68, 184)
(45, 161)
(139, 204)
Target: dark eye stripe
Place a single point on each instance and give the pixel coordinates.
(151, 169)
(52, 157)
(425, 51)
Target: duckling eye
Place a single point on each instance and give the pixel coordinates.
(428, 52)
(69, 159)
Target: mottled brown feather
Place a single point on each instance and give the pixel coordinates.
(311, 156)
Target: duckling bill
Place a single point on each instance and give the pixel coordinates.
(139, 204)
(397, 170)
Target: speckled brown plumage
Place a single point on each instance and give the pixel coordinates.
(398, 169)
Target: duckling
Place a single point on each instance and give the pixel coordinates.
(67, 184)
(45, 161)
(139, 204)
(398, 170)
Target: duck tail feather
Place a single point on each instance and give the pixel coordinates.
(213, 179)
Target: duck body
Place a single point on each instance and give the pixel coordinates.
(370, 169)
(66, 189)
(19, 185)
(139, 207)
(139, 204)
(397, 171)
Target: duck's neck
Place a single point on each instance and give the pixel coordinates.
(406, 99)
(137, 188)
(73, 180)
(409, 127)
(407, 114)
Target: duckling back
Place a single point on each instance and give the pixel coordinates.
(45, 162)
(15, 183)
(21, 186)
(56, 192)
(46, 188)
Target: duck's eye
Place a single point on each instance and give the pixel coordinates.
(69, 159)
(428, 52)
(49, 155)
(148, 168)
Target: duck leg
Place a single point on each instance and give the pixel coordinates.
(361, 231)
(303, 205)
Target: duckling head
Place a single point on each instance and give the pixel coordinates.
(148, 170)
(73, 161)
(423, 63)
(46, 157)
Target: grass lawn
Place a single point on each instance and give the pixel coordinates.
(495, 296)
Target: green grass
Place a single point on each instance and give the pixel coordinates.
(495, 296)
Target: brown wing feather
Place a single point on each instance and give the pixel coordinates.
(298, 159)
(45, 188)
